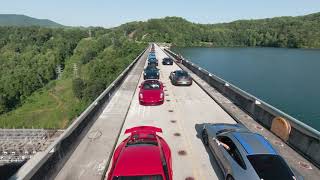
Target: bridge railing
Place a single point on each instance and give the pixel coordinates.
(45, 165)
(303, 138)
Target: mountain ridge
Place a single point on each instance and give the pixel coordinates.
(25, 21)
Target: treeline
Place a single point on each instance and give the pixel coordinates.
(29, 57)
(102, 59)
(292, 32)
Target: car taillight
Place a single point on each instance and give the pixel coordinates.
(141, 95)
(161, 95)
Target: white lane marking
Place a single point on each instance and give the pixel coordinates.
(143, 111)
(139, 109)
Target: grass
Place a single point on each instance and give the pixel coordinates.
(55, 105)
(52, 107)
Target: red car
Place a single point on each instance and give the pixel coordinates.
(151, 93)
(142, 156)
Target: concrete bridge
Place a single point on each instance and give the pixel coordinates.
(85, 149)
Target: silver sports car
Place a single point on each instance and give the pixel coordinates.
(180, 77)
(244, 155)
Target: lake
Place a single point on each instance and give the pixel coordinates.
(288, 79)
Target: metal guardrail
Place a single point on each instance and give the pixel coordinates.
(46, 164)
(303, 138)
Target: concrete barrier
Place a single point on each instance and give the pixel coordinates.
(45, 165)
(303, 138)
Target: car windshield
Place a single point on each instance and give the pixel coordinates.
(151, 177)
(182, 74)
(270, 167)
(151, 68)
(142, 143)
(151, 85)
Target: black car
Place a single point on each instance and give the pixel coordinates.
(167, 61)
(151, 72)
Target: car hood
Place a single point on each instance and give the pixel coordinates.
(153, 70)
(184, 79)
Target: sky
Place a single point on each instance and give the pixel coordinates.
(111, 13)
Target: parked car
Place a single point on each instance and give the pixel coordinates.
(167, 61)
(151, 72)
(144, 155)
(151, 92)
(180, 77)
(244, 155)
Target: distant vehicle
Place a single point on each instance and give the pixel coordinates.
(167, 61)
(180, 77)
(151, 72)
(142, 156)
(151, 93)
(152, 59)
(244, 155)
(153, 63)
(152, 53)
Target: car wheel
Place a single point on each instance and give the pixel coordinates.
(229, 177)
(205, 138)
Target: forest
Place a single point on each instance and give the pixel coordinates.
(291, 32)
(50, 75)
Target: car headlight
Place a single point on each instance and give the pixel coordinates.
(161, 95)
(157, 74)
(145, 73)
(141, 95)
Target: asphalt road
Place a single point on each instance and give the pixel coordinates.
(180, 117)
(184, 111)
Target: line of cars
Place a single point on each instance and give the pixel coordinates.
(151, 90)
(241, 154)
(144, 155)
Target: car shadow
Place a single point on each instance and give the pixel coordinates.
(213, 161)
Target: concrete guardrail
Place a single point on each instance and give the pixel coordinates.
(303, 138)
(45, 165)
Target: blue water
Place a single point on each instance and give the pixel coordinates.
(288, 79)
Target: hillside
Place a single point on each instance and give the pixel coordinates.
(292, 32)
(34, 95)
(22, 20)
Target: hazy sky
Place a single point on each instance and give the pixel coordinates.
(109, 13)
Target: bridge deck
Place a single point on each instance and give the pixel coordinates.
(191, 107)
(89, 159)
(181, 116)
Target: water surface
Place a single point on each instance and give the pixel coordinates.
(288, 79)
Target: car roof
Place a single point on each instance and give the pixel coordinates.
(253, 143)
(181, 71)
(139, 160)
